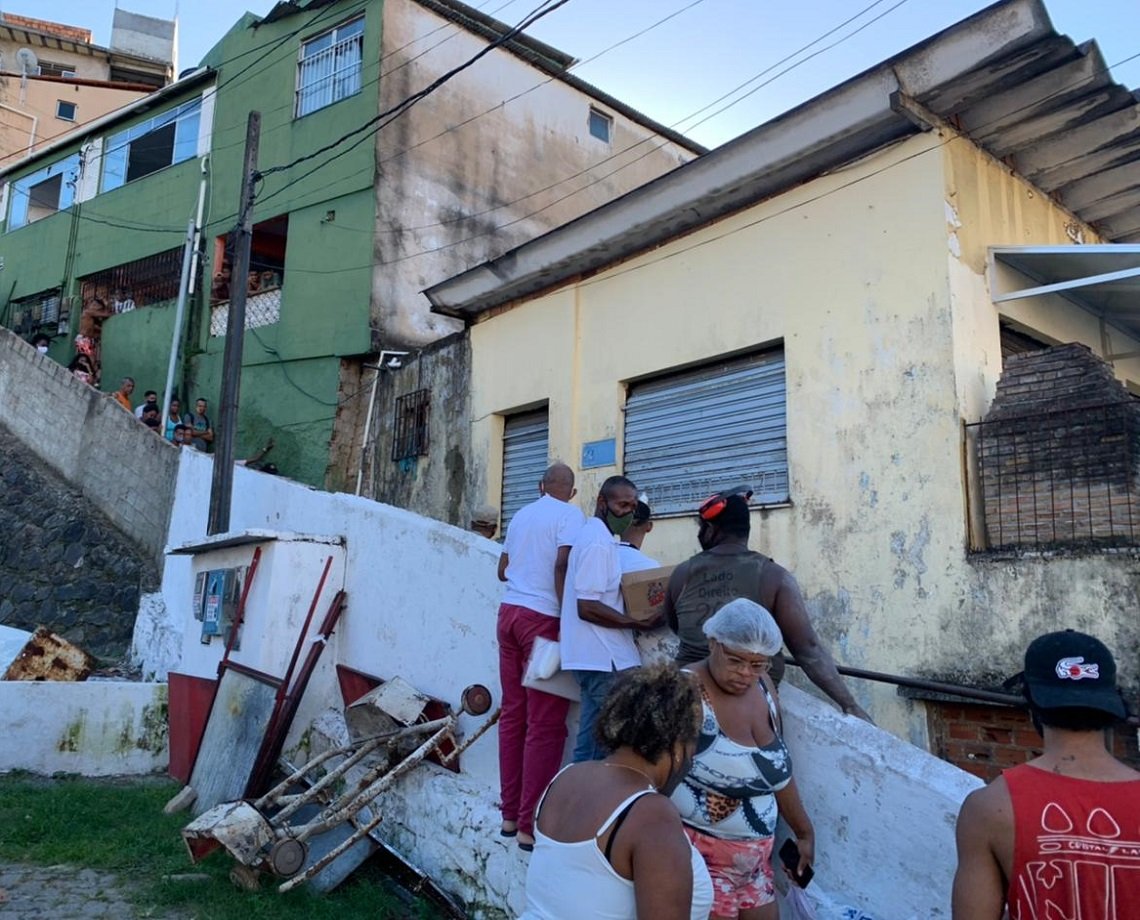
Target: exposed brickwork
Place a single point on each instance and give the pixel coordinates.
(121, 468)
(984, 740)
(1059, 453)
(74, 33)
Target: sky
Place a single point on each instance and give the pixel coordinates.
(676, 70)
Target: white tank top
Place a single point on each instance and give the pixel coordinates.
(571, 881)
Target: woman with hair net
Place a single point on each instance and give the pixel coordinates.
(741, 778)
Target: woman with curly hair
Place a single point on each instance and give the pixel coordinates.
(608, 842)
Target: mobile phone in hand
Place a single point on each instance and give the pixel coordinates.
(790, 857)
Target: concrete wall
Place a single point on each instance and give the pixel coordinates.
(120, 467)
(421, 605)
(38, 100)
(103, 728)
(471, 187)
(437, 483)
(862, 277)
(86, 66)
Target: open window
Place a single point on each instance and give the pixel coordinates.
(163, 140)
(263, 283)
(43, 193)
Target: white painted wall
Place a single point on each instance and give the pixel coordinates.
(422, 600)
(883, 810)
(94, 728)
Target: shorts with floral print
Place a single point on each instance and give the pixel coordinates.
(741, 871)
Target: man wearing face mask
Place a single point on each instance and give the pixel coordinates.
(597, 636)
(727, 569)
(41, 343)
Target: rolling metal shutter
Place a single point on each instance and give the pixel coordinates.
(525, 447)
(694, 433)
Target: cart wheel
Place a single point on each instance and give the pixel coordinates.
(286, 857)
(476, 700)
(245, 878)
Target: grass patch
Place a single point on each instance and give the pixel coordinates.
(118, 826)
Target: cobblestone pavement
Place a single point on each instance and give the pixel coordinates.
(63, 893)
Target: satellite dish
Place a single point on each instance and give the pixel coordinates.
(27, 62)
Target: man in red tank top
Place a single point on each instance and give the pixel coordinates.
(1057, 838)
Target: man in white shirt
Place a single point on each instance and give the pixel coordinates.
(532, 726)
(597, 636)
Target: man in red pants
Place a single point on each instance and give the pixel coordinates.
(532, 726)
(1058, 836)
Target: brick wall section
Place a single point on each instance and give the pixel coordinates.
(984, 740)
(100, 450)
(1059, 453)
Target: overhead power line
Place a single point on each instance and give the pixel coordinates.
(379, 121)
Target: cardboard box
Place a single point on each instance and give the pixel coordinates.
(644, 592)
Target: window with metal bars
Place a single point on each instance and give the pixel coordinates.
(30, 314)
(330, 67)
(411, 425)
(148, 282)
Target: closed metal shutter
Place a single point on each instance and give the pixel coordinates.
(698, 432)
(525, 445)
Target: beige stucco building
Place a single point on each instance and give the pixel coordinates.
(508, 149)
(819, 308)
(54, 78)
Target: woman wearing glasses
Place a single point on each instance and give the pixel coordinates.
(741, 778)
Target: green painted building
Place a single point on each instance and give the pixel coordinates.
(343, 240)
(104, 215)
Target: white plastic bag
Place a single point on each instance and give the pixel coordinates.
(545, 660)
(543, 671)
(796, 905)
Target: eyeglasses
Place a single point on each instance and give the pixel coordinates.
(747, 665)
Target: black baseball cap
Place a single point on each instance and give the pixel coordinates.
(1069, 669)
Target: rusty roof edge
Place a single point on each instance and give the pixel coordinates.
(818, 135)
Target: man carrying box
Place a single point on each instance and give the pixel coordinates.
(728, 569)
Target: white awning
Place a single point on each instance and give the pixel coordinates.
(1104, 278)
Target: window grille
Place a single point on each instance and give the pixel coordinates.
(49, 69)
(1062, 478)
(411, 425)
(330, 65)
(29, 314)
(148, 282)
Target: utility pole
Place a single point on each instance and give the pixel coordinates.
(222, 485)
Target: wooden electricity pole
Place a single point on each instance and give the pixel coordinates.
(222, 485)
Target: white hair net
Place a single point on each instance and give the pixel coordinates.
(745, 625)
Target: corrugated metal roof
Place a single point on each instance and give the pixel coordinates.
(1053, 113)
(1030, 96)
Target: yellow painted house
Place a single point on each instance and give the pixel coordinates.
(820, 308)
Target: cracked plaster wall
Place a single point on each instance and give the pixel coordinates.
(873, 281)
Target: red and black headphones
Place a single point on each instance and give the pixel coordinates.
(715, 504)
